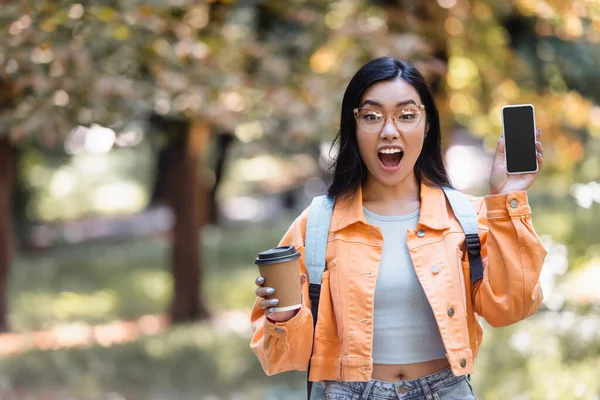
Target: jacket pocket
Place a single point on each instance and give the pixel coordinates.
(327, 317)
(334, 288)
(462, 275)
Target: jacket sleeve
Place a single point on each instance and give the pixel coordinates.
(512, 256)
(285, 346)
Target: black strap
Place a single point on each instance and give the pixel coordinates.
(475, 262)
(314, 293)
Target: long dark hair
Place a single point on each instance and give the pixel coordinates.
(350, 170)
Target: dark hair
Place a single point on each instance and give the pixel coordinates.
(350, 170)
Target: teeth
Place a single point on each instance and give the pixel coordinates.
(390, 151)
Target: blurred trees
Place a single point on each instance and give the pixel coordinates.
(272, 73)
(111, 65)
(247, 68)
(540, 52)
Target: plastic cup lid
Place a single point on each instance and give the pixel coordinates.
(277, 255)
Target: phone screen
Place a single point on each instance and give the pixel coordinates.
(519, 139)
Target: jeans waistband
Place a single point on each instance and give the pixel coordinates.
(417, 387)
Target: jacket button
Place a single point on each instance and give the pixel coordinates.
(450, 311)
(435, 269)
(463, 362)
(421, 233)
(514, 203)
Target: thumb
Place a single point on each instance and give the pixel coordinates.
(499, 156)
(303, 279)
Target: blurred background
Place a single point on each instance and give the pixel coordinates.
(150, 148)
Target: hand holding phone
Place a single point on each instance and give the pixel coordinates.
(519, 154)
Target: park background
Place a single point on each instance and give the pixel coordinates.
(150, 148)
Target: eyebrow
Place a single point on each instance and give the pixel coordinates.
(374, 103)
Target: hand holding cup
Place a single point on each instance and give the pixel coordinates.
(279, 269)
(269, 303)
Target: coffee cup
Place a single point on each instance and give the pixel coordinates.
(280, 268)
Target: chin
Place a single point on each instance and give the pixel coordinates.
(395, 179)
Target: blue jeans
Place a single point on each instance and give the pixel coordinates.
(439, 386)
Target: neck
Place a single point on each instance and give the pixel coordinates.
(403, 195)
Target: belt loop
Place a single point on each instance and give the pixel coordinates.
(426, 389)
(367, 390)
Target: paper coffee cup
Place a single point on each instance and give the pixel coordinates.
(280, 268)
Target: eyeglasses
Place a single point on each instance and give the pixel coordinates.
(405, 119)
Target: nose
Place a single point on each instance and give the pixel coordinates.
(389, 131)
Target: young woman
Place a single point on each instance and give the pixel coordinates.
(398, 316)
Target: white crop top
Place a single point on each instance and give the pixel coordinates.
(404, 328)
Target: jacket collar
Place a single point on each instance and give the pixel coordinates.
(348, 210)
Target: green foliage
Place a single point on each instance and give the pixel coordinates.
(552, 353)
(101, 282)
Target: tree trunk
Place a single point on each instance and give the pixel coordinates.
(224, 142)
(187, 199)
(179, 184)
(7, 181)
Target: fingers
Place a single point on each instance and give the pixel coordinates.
(266, 304)
(539, 148)
(269, 304)
(264, 291)
(499, 156)
(501, 146)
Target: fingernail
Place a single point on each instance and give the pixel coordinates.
(261, 279)
(272, 309)
(270, 291)
(275, 301)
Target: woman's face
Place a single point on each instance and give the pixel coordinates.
(390, 153)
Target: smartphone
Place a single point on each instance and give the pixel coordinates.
(518, 125)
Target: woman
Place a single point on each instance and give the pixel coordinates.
(397, 317)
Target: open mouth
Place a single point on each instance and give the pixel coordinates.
(390, 158)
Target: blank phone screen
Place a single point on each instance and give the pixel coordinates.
(519, 138)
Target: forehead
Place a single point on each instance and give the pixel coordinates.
(389, 93)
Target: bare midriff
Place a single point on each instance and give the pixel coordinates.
(407, 372)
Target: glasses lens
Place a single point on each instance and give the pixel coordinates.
(408, 118)
(405, 119)
(369, 120)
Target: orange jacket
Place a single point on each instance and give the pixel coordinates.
(342, 340)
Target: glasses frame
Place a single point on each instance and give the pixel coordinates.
(420, 107)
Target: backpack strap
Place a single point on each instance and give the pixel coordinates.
(315, 248)
(317, 231)
(467, 217)
(315, 251)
